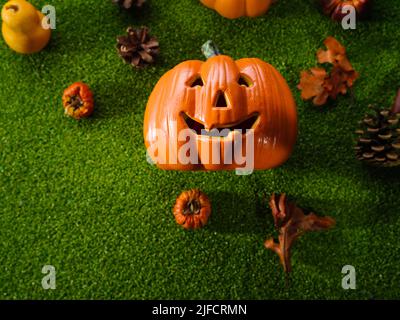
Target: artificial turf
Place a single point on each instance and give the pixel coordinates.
(82, 197)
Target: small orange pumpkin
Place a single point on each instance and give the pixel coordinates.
(227, 95)
(78, 101)
(192, 209)
(335, 8)
(233, 9)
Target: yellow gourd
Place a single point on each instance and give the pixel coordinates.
(22, 27)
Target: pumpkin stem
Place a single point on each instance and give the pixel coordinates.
(75, 102)
(193, 207)
(209, 49)
(13, 7)
(396, 106)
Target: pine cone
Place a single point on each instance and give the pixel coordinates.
(138, 48)
(379, 137)
(129, 4)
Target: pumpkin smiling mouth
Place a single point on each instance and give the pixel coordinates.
(223, 131)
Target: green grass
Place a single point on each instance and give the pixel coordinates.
(81, 196)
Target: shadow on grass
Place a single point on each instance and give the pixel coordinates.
(384, 211)
(384, 175)
(239, 214)
(137, 16)
(118, 98)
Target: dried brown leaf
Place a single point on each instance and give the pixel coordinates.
(291, 222)
(318, 85)
(312, 86)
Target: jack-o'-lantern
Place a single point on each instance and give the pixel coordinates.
(233, 9)
(225, 107)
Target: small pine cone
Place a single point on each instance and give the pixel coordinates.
(129, 4)
(138, 48)
(378, 143)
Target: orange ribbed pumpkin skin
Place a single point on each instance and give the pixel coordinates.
(268, 96)
(233, 9)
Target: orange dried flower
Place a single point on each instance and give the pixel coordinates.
(78, 101)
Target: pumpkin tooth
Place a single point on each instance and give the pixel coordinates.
(221, 132)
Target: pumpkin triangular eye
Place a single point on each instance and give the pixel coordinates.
(244, 81)
(196, 82)
(220, 101)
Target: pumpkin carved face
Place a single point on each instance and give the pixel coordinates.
(233, 9)
(227, 95)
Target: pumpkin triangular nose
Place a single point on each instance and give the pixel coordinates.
(220, 100)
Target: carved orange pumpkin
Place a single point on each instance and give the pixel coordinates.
(233, 9)
(247, 94)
